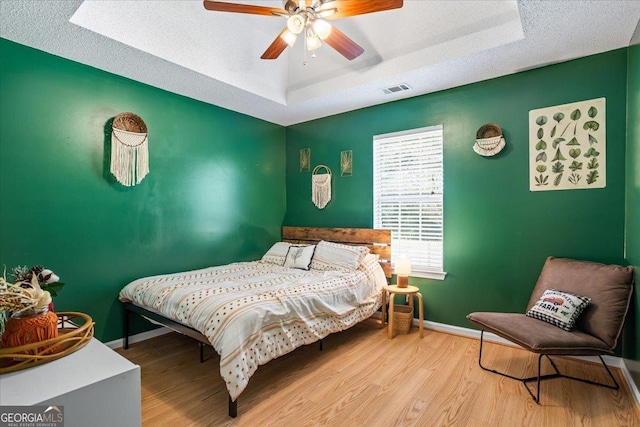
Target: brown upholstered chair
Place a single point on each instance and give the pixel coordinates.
(596, 330)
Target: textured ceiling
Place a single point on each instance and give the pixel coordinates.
(214, 56)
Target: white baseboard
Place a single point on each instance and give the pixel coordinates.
(138, 337)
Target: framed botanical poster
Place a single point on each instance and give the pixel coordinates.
(305, 160)
(567, 146)
(346, 163)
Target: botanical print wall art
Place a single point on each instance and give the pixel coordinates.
(567, 146)
(305, 160)
(346, 163)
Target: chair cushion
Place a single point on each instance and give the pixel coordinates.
(608, 286)
(538, 336)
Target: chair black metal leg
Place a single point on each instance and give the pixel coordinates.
(201, 345)
(233, 407)
(320, 344)
(539, 377)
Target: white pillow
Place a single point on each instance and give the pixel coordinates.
(299, 256)
(277, 253)
(334, 256)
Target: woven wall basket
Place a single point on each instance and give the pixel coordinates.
(130, 122)
(129, 149)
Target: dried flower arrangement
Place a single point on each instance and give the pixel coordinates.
(33, 289)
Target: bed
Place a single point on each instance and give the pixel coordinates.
(315, 282)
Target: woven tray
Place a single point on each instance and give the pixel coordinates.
(75, 330)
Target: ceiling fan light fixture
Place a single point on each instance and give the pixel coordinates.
(313, 41)
(289, 37)
(322, 28)
(295, 24)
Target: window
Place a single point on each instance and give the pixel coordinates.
(407, 196)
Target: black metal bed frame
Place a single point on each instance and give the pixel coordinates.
(538, 377)
(175, 326)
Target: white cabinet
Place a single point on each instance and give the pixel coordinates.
(96, 386)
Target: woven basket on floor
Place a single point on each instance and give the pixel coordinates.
(402, 318)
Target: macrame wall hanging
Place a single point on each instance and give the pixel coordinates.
(129, 149)
(321, 186)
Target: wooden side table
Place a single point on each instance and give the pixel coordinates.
(395, 290)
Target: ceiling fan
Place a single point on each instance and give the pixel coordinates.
(310, 18)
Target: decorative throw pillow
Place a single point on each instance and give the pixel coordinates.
(277, 253)
(299, 256)
(559, 308)
(334, 256)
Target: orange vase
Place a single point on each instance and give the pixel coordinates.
(30, 327)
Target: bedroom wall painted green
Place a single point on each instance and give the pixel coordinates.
(632, 243)
(215, 194)
(497, 233)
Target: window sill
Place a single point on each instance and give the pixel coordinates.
(429, 275)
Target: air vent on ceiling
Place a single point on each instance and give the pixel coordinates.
(397, 88)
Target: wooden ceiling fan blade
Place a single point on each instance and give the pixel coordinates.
(348, 8)
(276, 48)
(343, 44)
(221, 6)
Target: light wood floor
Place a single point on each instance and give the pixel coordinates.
(361, 378)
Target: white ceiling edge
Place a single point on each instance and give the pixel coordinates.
(554, 32)
(183, 32)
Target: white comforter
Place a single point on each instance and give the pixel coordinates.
(253, 312)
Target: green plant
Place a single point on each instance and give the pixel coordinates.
(541, 145)
(541, 120)
(575, 116)
(575, 166)
(574, 179)
(591, 152)
(541, 168)
(575, 152)
(558, 118)
(593, 163)
(591, 125)
(557, 167)
(542, 157)
(592, 177)
(557, 142)
(573, 141)
(593, 111)
(542, 180)
(556, 181)
(558, 156)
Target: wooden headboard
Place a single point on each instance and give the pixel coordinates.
(378, 241)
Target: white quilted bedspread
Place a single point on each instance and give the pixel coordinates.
(253, 312)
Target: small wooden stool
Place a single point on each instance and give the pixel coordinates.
(395, 290)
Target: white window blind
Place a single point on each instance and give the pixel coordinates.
(407, 196)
